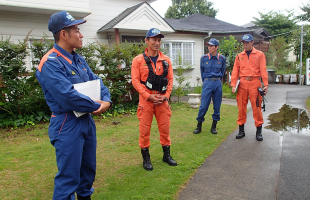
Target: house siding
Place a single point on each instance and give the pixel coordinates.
(144, 18)
(17, 25)
(198, 52)
(102, 13)
(72, 5)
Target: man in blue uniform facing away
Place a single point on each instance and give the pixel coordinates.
(212, 69)
(74, 138)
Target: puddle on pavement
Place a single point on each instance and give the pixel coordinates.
(289, 119)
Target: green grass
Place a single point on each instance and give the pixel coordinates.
(227, 92)
(308, 105)
(28, 167)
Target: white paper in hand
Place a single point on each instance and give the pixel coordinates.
(90, 89)
(237, 86)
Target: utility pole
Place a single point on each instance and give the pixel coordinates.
(300, 67)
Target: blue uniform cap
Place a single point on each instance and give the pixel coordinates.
(154, 32)
(213, 41)
(60, 20)
(247, 38)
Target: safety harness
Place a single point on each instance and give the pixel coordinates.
(156, 82)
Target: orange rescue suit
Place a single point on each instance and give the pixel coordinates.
(249, 70)
(146, 108)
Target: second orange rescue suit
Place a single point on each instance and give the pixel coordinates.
(249, 70)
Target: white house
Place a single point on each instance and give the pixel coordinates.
(187, 35)
(114, 21)
(18, 18)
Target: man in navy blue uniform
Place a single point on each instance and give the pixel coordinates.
(212, 69)
(74, 138)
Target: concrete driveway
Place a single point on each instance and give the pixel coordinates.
(276, 168)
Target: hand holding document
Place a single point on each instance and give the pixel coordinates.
(235, 89)
(90, 89)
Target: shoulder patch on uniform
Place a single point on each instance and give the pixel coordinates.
(47, 56)
(52, 55)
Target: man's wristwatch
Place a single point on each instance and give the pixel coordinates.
(111, 104)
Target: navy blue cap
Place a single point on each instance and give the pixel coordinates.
(247, 38)
(154, 32)
(60, 20)
(213, 41)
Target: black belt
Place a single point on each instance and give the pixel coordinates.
(212, 79)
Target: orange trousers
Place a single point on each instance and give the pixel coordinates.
(162, 112)
(248, 90)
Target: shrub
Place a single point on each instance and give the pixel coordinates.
(198, 87)
(181, 88)
(89, 52)
(22, 101)
(230, 49)
(116, 63)
(227, 91)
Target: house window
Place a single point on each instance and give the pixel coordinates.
(186, 49)
(43, 45)
(133, 39)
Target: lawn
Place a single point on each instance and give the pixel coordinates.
(27, 159)
(227, 92)
(308, 105)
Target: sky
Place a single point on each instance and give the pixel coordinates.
(240, 12)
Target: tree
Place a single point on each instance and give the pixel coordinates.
(306, 43)
(276, 22)
(185, 8)
(278, 53)
(306, 15)
(229, 48)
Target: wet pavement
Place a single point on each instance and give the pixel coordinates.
(289, 120)
(276, 168)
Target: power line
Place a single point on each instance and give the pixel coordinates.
(282, 33)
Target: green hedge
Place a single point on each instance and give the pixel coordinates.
(22, 101)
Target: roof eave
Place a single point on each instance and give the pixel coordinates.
(104, 30)
(207, 31)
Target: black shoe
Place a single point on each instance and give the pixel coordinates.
(259, 135)
(167, 158)
(241, 133)
(213, 128)
(83, 198)
(147, 165)
(198, 129)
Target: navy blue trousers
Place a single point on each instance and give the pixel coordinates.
(210, 89)
(75, 145)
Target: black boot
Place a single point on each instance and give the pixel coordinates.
(198, 129)
(83, 198)
(259, 135)
(241, 133)
(147, 165)
(213, 128)
(167, 158)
